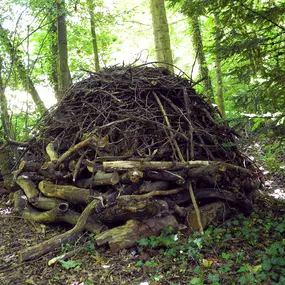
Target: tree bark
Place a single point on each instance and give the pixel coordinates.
(65, 78)
(91, 7)
(127, 235)
(161, 33)
(22, 71)
(67, 192)
(54, 60)
(219, 78)
(5, 118)
(199, 49)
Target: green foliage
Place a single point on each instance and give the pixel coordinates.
(69, 264)
(246, 250)
(66, 247)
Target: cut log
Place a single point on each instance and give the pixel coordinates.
(27, 166)
(132, 176)
(47, 216)
(149, 186)
(50, 149)
(216, 213)
(67, 192)
(61, 213)
(29, 187)
(45, 203)
(129, 207)
(100, 178)
(127, 235)
(55, 242)
(238, 198)
(20, 201)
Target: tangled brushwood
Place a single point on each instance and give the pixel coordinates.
(130, 151)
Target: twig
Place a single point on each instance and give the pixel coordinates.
(187, 106)
(196, 208)
(169, 125)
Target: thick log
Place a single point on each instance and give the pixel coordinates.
(47, 216)
(20, 201)
(50, 149)
(49, 171)
(55, 242)
(215, 213)
(129, 207)
(29, 166)
(149, 186)
(240, 199)
(127, 235)
(45, 203)
(26, 166)
(100, 179)
(67, 192)
(132, 176)
(61, 213)
(29, 187)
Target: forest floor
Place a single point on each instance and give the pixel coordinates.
(244, 250)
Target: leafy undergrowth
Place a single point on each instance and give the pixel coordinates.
(245, 250)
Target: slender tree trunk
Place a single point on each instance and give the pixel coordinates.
(54, 61)
(91, 7)
(22, 71)
(161, 33)
(199, 49)
(5, 167)
(5, 118)
(219, 78)
(65, 78)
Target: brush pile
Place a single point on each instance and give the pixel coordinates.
(130, 151)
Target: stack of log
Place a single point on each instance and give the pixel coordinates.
(128, 152)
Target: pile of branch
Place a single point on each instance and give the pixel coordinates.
(135, 148)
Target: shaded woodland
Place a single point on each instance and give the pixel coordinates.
(167, 139)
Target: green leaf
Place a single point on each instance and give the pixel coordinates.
(226, 255)
(69, 264)
(213, 277)
(143, 242)
(140, 263)
(266, 264)
(245, 268)
(196, 281)
(198, 242)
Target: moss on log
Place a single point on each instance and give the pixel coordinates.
(127, 235)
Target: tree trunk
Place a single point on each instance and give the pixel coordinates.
(54, 61)
(65, 78)
(161, 33)
(220, 93)
(91, 7)
(199, 49)
(22, 71)
(5, 118)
